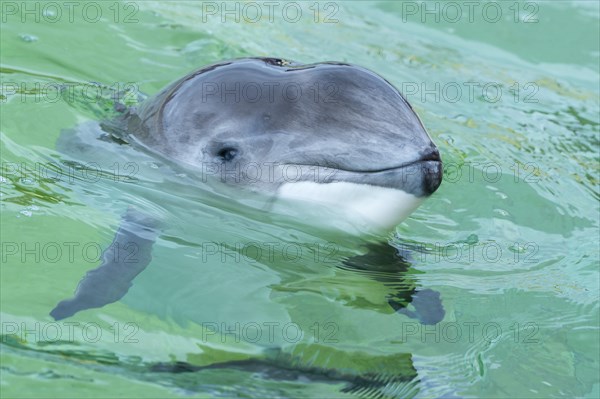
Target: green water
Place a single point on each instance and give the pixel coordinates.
(510, 239)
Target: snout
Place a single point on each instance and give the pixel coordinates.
(432, 176)
(421, 177)
(432, 171)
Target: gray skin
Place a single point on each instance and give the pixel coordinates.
(347, 120)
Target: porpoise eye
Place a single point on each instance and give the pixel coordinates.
(227, 153)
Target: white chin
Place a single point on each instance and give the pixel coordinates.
(356, 208)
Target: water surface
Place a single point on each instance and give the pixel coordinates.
(510, 239)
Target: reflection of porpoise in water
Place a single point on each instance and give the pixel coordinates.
(329, 133)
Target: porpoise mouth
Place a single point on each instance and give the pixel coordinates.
(420, 177)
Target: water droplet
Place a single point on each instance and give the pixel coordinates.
(26, 213)
(517, 248)
(29, 38)
(472, 239)
(501, 212)
(460, 118)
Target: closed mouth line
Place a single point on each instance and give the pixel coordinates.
(401, 166)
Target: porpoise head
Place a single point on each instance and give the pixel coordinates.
(330, 133)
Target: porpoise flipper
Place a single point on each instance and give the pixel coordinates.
(427, 304)
(126, 257)
(389, 266)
